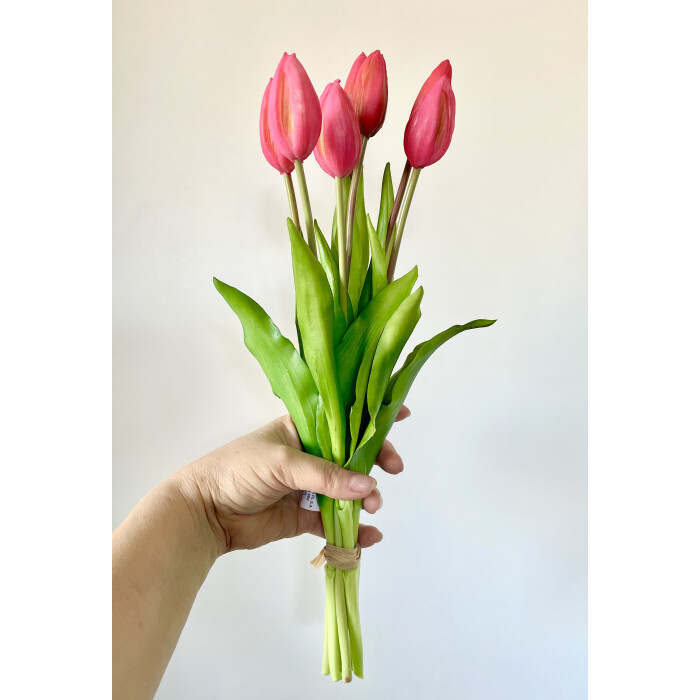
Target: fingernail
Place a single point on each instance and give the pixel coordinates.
(381, 501)
(362, 483)
(408, 409)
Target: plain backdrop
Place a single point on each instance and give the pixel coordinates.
(479, 587)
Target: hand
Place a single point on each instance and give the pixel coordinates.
(250, 488)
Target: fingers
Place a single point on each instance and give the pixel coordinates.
(388, 459)
(373, 502)
(404, 412)
(301, 471)
(368, 535)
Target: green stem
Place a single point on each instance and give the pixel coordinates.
(334, 664)
(353, 197)
(291, 198)
(306, 204)
(342, 250)
(397, 204)
(413, 180)
(352, 604)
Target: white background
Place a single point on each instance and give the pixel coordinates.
(479, 587)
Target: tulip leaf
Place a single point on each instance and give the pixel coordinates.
(358, 407)
(393, 339)
(323, 434)
(287, 373)
(330, 267)
(314, 305)
(334, 236)
(379, 261)
(361, 334)
(360, 250)
(386, 204)
(366, 295)
(397, 391)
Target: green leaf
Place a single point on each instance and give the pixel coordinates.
(330, 267)
(358, 406)
(323, 434)
(287, 373)
(366, 295)
(379, 261)
(393, 339)
(366, 328)
(397, 391)
(314, 302)
(360, 250)
(334, 236)
(386, 204)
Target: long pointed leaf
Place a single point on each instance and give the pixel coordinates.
(358, 406)
(386, 204)
(360, 250)
(314, 303)
(393, 339)
(287, 373)
(330, 267)
(397, 391)
(379, 261)
(366, 328)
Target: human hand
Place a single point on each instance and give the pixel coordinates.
(250, 488)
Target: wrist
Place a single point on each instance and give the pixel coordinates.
(192, 489)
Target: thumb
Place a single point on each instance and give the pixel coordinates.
(304, 472)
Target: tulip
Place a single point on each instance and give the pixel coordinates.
(338, 147)
(444, 70)
(337, 152)
(432, 121)
(272, 155)
(294, 112)
(426, 140)
(294, 120)
(276, 159)
(367, 88)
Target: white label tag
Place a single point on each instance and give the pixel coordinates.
(309, 501)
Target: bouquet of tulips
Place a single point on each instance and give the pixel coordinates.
(353, 318)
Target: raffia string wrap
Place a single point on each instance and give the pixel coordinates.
(338, 557)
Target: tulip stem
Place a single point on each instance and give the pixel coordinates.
(397, 205)
(306, 204)
(353, 197)
(291, 198)
(342, 253)
(413, 180)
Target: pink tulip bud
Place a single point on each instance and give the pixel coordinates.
(338, 147)
(432, 121)
(275, 159)
(294, 113)
(367, 87)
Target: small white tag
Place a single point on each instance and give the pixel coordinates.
(309, 501)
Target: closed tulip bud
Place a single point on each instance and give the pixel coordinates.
(275, 159)
(367, 88)
(339, 145)
(294, 112)
(432, 121)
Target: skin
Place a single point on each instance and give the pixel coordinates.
(241, 496)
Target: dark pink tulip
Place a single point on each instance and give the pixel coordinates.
(444, 70)
(367, 87)
(338, 147)
(275, 159)
(432, 121)
(294, 112)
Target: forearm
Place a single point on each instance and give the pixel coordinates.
(161, 555)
